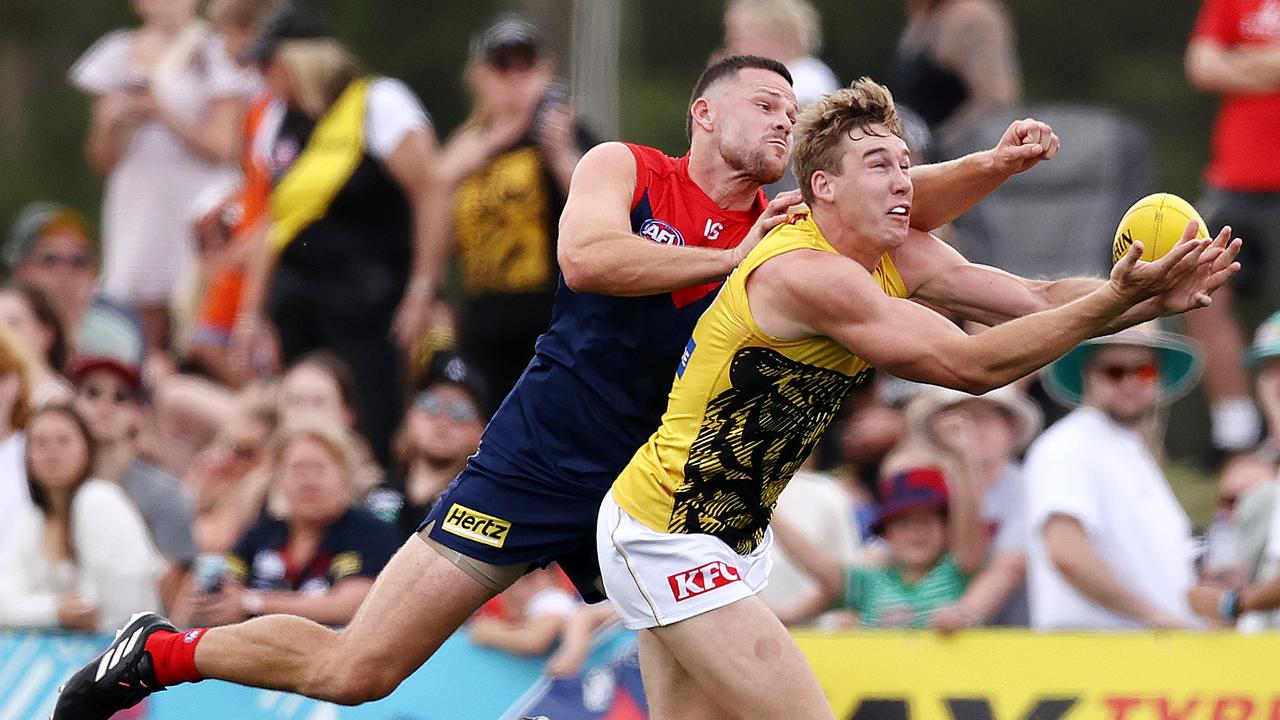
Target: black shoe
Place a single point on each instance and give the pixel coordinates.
(119, 678)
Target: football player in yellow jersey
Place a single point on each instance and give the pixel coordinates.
(683, 536)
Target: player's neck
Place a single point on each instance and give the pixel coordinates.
(727, 188)
(845, 240)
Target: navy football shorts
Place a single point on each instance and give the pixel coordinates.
(507, 520)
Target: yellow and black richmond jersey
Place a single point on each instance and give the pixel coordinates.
(745, 411)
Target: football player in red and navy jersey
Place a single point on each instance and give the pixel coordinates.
(645, 240)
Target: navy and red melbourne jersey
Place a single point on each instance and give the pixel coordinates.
(598, 383)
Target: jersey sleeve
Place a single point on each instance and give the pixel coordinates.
(1059, 481)
(1217, 21)
(393, 112)
(104, 66)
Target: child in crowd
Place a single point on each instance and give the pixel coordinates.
(935, 539)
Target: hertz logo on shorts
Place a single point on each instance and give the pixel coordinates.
(476, 526)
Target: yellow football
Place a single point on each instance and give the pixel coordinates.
(1157, 221)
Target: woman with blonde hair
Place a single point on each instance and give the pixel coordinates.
(15, 408)
(344, 265)
(318, 560)
(167, 103)
(789, 31)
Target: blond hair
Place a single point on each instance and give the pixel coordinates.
(319, 69)
(13, 360)
(824, 124)
(336, 440)
(796, 20)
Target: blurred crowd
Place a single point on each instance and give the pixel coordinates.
(241, 388)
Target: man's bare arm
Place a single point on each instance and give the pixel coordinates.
(598, 252)
(938, 274)
(945, 191)
(1214, 68)
(1073, 554)
(807, 293)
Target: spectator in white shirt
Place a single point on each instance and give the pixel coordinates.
(80, 558)
(1111, 547)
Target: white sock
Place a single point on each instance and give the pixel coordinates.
(1235, 423)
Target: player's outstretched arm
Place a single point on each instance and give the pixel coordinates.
(939, 275)
(807, 293)
(597, 250)
(945, 191)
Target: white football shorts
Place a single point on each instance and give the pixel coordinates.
(657, 578)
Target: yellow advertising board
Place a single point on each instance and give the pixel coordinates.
(1019, 675)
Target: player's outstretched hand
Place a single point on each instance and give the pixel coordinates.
(1024, 144)
(1217, 265)
(1135, 280)
(774, 214)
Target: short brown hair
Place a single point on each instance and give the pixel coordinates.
(728, 67)
(823, 124)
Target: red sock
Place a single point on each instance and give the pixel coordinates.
(173, 655)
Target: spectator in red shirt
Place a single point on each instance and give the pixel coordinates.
(1235, 53)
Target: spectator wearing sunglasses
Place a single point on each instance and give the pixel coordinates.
(440, 431)
(51, 247)
(1111, 548)
(508, 169)
(109, 396)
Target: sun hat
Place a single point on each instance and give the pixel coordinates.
(37, 218)
(1177, 356)
(932, 399)
(1266, 342)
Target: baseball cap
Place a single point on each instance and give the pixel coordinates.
(910, 489)
(1266, 342)
(507, 31)
(37, 218)
(448, 366)
(110, 338)
(295, 20)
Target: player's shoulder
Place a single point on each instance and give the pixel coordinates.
(805, 278)
(608, 160)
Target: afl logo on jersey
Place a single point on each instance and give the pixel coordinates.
(660, 232)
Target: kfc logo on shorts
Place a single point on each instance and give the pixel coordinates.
(660, 232)
(705, 578)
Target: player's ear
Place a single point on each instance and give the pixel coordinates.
(702, 113)
(820, 184)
